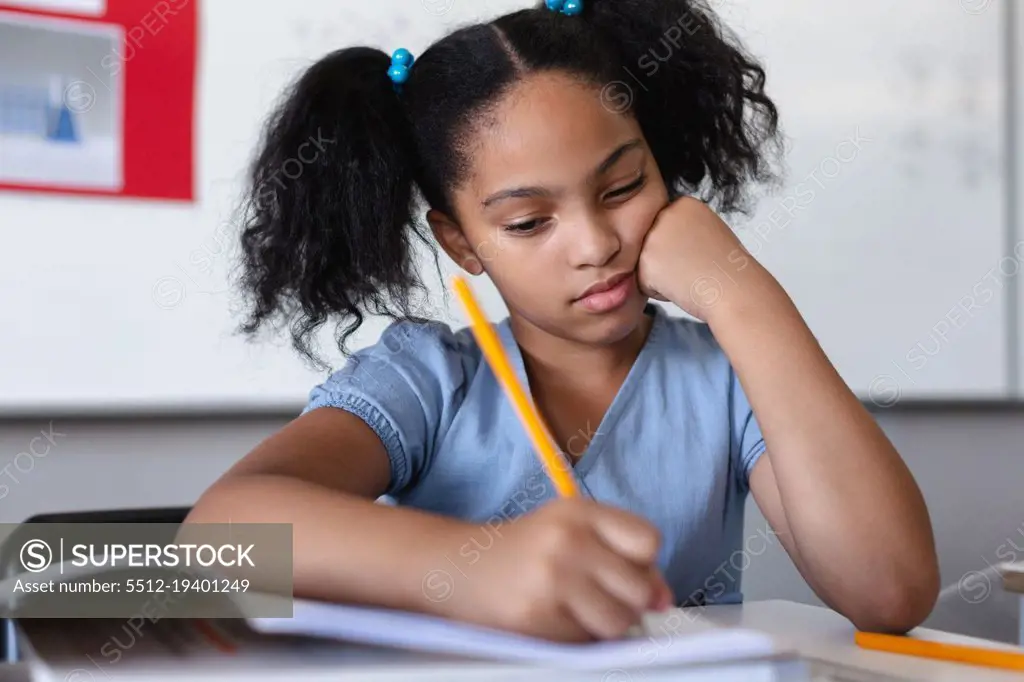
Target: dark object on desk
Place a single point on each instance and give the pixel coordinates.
(8, 566)
(142, 515)
(1013, 577)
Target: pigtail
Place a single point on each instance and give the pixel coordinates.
(698, 96)
(328, 213)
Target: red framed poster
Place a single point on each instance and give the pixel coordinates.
(97, 97)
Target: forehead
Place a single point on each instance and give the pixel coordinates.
(549, 128)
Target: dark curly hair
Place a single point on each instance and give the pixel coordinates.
(330, 215)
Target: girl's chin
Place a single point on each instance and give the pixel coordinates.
(617, 324)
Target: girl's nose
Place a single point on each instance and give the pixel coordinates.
(595, 241)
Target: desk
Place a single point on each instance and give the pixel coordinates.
(814, 632)
(820, 633)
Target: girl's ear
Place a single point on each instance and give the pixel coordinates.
(451, 238)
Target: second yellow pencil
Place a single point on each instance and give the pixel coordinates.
(900, 644)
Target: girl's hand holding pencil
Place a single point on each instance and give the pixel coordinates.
(572, 571)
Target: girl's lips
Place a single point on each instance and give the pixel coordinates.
(610, 299)
(607, 284)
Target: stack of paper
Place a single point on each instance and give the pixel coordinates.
(428, 634)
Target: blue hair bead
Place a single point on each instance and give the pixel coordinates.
(402, 57)
(554, 5)
(572, 7)
(401, 61)
(398, 74)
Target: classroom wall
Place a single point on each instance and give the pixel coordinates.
(969, 462)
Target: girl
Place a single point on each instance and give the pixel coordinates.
(572, 153)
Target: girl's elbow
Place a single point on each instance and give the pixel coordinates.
(901, 606)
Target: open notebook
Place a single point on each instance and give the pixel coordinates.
(323, 643)
(664, 643)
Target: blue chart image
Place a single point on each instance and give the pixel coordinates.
(62, 123)
(59, 108)
(37, 112)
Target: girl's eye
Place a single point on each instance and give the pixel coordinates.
(525, 226)
(628, 189)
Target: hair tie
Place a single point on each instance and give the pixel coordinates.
(401, 62)
(568, 7)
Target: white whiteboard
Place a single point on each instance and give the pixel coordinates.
(113, 305)
(892, 247)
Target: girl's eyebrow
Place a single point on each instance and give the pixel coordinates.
(616, 155)
(516, 193)
(534, 192)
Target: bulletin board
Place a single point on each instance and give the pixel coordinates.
(97, 97)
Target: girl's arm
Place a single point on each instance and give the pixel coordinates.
(831, 485)
(322, 473)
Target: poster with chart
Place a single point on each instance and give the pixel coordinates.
(55, 130)
(96, 97)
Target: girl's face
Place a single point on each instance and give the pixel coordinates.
(558, 201)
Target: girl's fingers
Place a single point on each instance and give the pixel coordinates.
(561, 626)
(627, 534)
(634, 585)
(599, 612)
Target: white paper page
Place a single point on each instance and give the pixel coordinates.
(425, 633)
(1012, 567)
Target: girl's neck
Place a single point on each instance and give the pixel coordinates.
(551, 359)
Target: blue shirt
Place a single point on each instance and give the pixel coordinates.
(676, 446)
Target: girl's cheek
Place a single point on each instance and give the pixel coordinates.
(641, 220)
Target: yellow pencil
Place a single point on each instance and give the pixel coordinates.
(899, 644)
(490, 345)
